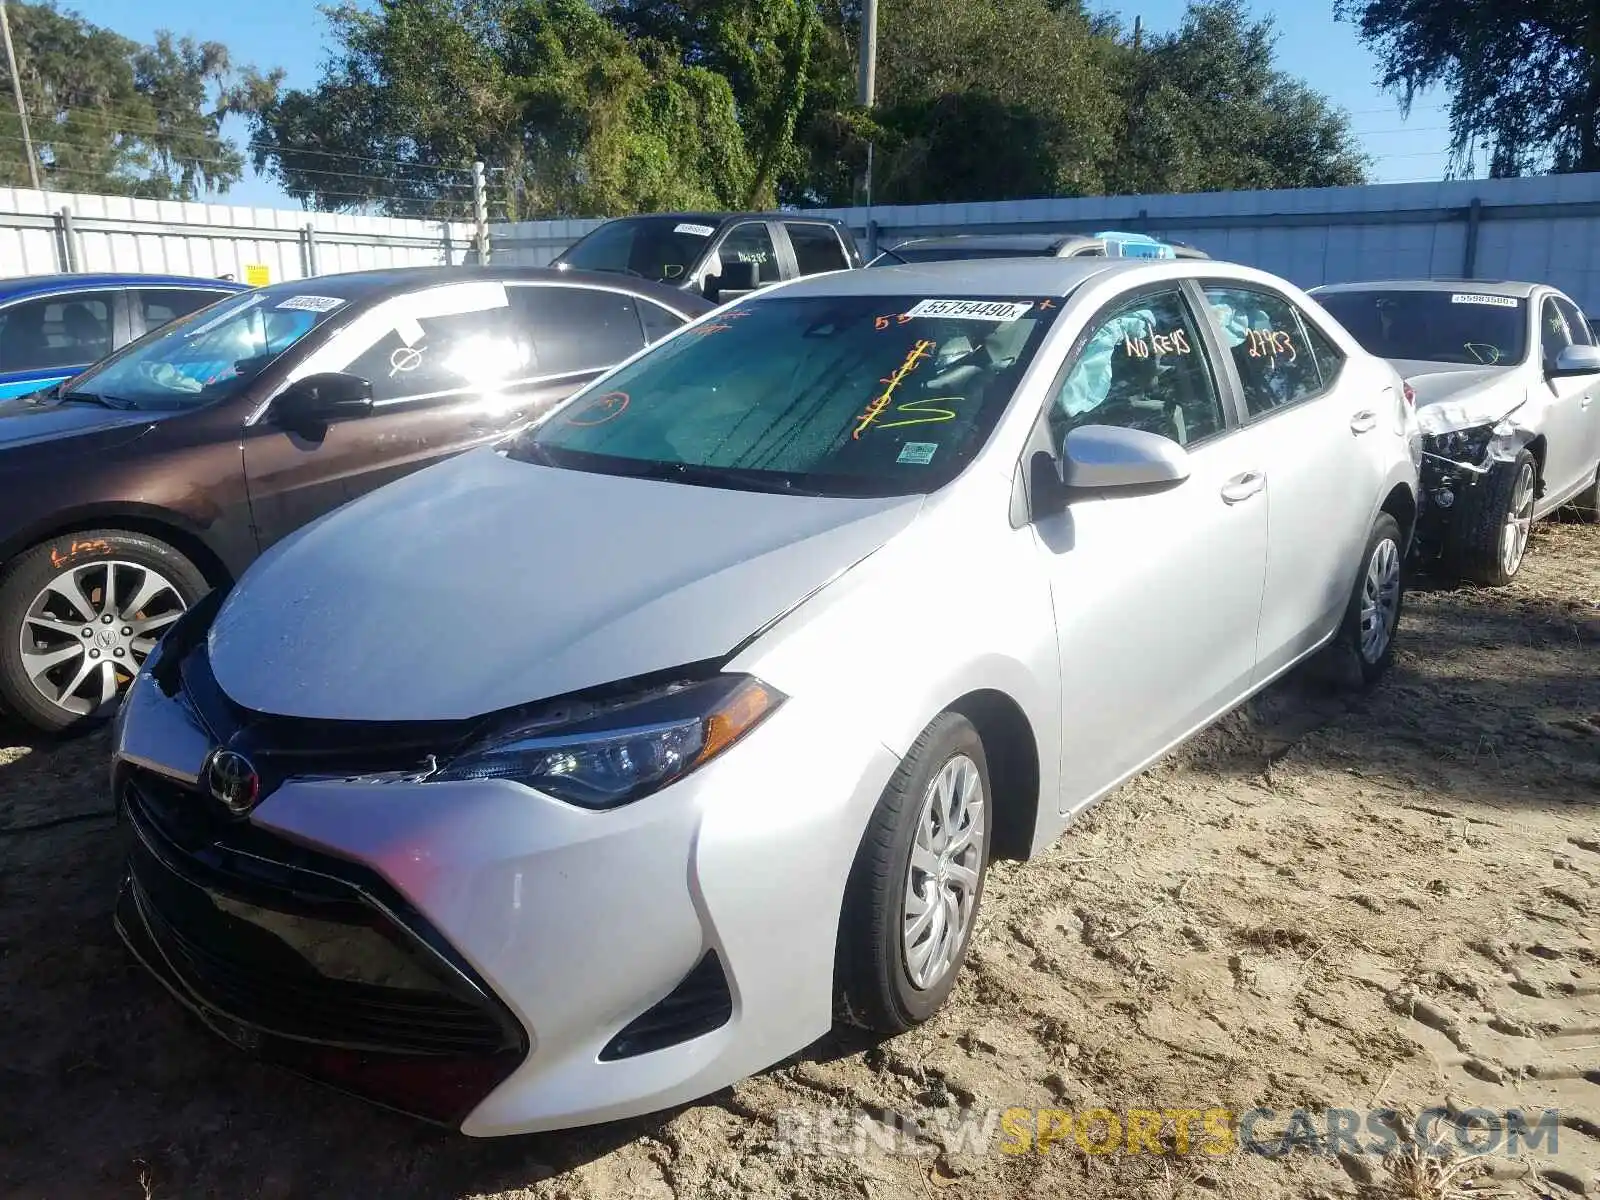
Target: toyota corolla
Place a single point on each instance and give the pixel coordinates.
(582, 775)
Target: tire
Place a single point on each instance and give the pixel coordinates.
(878, 982)
(1586, 504)
(1371, 624)
(37, 602)
(1479, 543)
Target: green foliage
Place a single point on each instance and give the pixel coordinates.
(1523, 77)
(1206, 111)
(108, 115)
(594, 107)
(549, 91)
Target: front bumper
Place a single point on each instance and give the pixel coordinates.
(589, 966)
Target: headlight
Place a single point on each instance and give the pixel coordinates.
(625, 750)
(1462, 445)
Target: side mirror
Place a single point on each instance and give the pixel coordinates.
(1108, 458)
(322, 399)
(736, 279)
(1575, 360)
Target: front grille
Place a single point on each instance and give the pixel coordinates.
(296, 943)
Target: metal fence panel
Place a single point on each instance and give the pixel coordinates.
(46, 232)
(1542, 229)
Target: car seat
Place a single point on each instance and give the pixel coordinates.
(88, 335)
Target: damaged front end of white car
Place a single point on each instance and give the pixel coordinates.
(1463, 445)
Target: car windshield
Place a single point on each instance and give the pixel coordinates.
(207, 356)
(663, 249)
(822, 395)
(1434, 326)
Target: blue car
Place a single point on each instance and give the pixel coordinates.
(53, 326)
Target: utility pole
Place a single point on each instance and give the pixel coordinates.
(480, 211)
(16, 91)
(866, 78)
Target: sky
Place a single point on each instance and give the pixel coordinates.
(293, 34)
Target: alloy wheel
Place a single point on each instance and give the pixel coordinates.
(945, 870)
(89, 630)
(1519, 521)
(1380, 600)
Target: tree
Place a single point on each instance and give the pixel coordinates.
(990, 101)
(1205, 110)
(1523, 78)
(109, 115)
(576, 118)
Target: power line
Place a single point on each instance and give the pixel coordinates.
(109, 123)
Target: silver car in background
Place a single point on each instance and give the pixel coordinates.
(750, 659)
(1505, 378)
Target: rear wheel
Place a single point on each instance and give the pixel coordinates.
(1372, 618)
(1489, 530)
(78, 616)
(1586, 504)
(913, 893)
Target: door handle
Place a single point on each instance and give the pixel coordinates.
(1585, 402)
(1242, 487)
(1364, 421)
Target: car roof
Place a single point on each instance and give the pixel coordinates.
(971, 277)
(354, 286)
(719, 218)
(1488, 287)
(1023, 243)
(37, 285)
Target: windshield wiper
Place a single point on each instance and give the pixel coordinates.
(97, 398)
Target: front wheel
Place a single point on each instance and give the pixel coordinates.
(78, 616)
(913, 893)
(1489, 530)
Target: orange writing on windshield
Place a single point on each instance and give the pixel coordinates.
(918, 353)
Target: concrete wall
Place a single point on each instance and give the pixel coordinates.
(45, 232)
(1545, 229)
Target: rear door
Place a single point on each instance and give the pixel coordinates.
(452, 367)
(1573, 415)
(1316, 426)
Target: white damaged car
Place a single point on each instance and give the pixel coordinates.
(1505, 378)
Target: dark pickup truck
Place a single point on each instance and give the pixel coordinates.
(716, 255)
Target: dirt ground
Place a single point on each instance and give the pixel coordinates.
(1380, 902)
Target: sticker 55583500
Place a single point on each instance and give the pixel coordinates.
(1480, 298)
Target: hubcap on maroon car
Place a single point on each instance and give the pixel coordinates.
(89, 630)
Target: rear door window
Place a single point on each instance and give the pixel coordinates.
(816, 247)
(1276, 362)
(575, 329)
(55, 332)
(157, 306)
(657, 321)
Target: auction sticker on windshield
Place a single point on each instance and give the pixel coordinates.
(697, 230)
(971, 310)
(918, 452)
(1475, 298)
(226, 315)
(319, 304)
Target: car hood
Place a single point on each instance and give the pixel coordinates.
(25, 423)
(1453, 396)
(483, 583)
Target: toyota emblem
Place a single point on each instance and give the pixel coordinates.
(233, 781)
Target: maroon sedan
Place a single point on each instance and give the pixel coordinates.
(162, 471)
